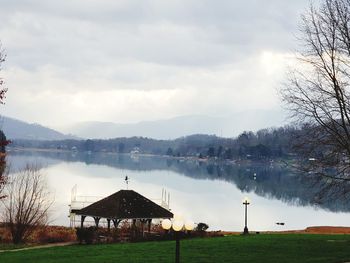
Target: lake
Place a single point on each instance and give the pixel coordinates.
(203, 192)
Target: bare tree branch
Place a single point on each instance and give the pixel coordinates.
(2, 90)
(27, 204)
(317, 93)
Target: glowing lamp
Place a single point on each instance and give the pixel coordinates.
(178, 225)
(189, 225)
(166, 224)
(246, 200)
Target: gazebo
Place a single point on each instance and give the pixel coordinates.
(122, 205)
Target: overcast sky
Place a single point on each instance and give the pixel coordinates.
(126, 61)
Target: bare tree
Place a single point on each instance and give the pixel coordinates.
(3, 175)
(2, 90)
(318, 93)
(3, 141)
(27, 204)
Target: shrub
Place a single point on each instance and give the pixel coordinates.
(201, 227)
(42, 235)
(53, 234)
(87, 235)
(5, 235)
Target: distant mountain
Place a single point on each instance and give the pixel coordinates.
(16, 129)
(181, 126)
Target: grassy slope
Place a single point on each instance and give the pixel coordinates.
(259, 248)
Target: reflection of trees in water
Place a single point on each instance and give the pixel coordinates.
(271, 181)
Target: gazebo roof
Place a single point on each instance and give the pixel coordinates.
(125, 204)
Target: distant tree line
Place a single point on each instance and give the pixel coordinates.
(264, 144)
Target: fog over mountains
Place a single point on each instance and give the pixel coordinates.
(229, 126)
(173, 128)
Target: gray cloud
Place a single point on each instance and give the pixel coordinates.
(173, 53)
(172, 32)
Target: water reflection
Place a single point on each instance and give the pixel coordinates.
(210, 192)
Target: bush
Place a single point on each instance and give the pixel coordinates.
(5, 235)
(42, 235)
(87, 235)
(201, 227)
(53, 234)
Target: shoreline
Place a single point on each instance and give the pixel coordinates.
(275, 161)
(327, 230)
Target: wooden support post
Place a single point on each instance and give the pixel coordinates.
(97, 220)
(133, 228)
(149, 225)
(109, 224)
(116, 222)
(143, 221)
(82, 221)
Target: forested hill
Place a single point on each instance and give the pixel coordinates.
(16, 129)
(266, 143)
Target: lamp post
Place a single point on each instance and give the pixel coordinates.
(246, 202)
(177, 224)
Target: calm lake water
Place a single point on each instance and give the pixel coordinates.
(202, 192)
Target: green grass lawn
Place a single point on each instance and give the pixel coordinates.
(255, 248)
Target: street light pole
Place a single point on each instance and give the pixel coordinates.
(177, 226)
(177, 248)
(246, 203)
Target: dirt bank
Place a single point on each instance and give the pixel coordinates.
(308, 230)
